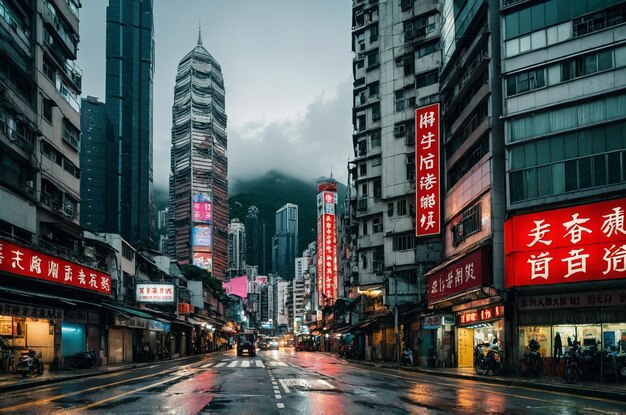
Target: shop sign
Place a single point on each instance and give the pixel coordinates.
(427, 168)
(574, 300)
(434, 322)
(481, 315)
(18, 260)
(327, 241)
(155, 293)
(468, 273)
(184, 308)
(18, 310)
(156, 325)
(138, 323)
(581, 243)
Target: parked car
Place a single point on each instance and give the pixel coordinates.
(263, 344)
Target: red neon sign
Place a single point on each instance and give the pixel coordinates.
(481, 315)
(581, 243)
(427, 168)
(18, 260)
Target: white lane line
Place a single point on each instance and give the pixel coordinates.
(207, 365)
(280, 405)
(220, 364)
(278, 397)
(245, 363)
(233, 364)
(281, 364)
(282, 382)
(259, 363)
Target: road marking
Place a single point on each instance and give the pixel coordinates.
(207, 365)
(280, 405)
(278, 397)
(245, 363)
(274, 364)
(233, 364)
(282, 382)
(307, 384)
(259, 363)
(220, 364)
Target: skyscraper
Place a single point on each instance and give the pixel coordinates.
(254, 252)
(285, 241)
(199, 166)
(236, 248)
(129, 78)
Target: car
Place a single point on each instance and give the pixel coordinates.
(273, 344)
(263, 344)
(246, 342)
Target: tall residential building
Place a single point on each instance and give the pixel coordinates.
(40, 125)
(129, 204)
(198, 180)
(285, 241)
(396, 69)
(236, 248)
(93, 186)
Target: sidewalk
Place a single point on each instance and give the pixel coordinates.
(591, 388)
(12, 381)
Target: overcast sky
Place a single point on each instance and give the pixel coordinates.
(287, 73)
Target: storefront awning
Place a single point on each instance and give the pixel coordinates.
(126, 311)
(31, 294)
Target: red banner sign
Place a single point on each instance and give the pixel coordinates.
(481, 315)
(581, 243)
(184, 308)
(18, 260)
(327, 255)
(468, 273)
(427, 168)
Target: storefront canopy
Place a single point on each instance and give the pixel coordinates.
(127, 311)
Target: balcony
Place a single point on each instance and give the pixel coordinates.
(59, 29)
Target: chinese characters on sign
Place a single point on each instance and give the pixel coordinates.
(481, 315)
(15, 259)
(155, 293)
(581, 243)
(427, 186)
(327, 243)
(202, 208)
(18, 310)
(574, 300)
(467, 273)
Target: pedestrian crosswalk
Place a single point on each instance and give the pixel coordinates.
(246, 364)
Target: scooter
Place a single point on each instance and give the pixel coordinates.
(29, 362)
(407, 357)
(85, 360)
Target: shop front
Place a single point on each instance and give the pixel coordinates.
(567, 268)
(459, 290)
(477, 326)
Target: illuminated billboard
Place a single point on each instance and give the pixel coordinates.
(427, 171)
(202, 208)
(327, 244)
(203, 260)
(155, 293)
(573, 244)
(201, 238)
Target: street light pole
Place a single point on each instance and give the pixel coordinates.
(396, 326)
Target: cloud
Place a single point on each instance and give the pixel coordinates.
(307, 146)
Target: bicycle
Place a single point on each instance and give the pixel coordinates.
(532, 363)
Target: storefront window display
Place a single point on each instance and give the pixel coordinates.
(609, 336)
(72, 338)
(478, 326)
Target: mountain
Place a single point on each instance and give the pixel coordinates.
(272, 191)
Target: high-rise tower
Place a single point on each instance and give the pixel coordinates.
(129, 77)
(285, 241)
(199, 166)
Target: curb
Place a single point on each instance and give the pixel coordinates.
(576, 389)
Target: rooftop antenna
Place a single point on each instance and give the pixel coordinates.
(199, 34)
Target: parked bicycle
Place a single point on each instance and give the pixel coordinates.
(532, 363)
(488, 359)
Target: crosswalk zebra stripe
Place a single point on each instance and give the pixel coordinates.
(233, 364)
(220, 364)
(259, 363)
(207, 365)
(245, 363)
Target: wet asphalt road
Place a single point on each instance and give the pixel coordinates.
(286, 382)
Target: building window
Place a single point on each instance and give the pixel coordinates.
(390, 208)
(427, 48)
(362, 169)
(469, 160)
(47, 109)
(373, 89)
(376, 112)
(364, 227)
(71, 134)
(48, 70)
(408, 63)
(426, 79)
(372, 59)
(586, 65)
(526, 81)
(401, 207)
(364, 190)
(374, 32)
(466, 224)
(127, 252)
(377, 225)
(399, 100)
(376, 161)
(362, 148)
(403, 242)
(375, 140)
(379, 260)
(377, 189)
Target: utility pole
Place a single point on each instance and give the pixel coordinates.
(396, 325)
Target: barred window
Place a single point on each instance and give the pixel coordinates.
(467, 224)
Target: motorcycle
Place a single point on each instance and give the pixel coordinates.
(489, 362)
(407, 357)
(85, 360)
(29, 362)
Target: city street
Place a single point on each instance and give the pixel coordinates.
(289, 382)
